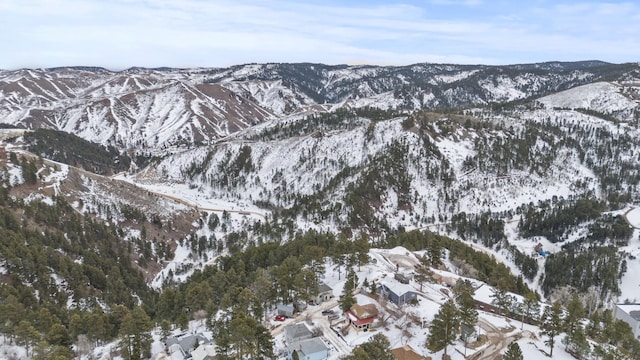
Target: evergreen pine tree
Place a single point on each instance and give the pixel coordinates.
(373, 288)
(576, 343)
(423, 271)
(502, 300)
(444, 327)
(378, 347)
(513, 352)
(575, 313)
(347, 299)
(135, 336)
(552, 325)
(463, 290)
(530, 308)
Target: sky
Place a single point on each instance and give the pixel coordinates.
(118, 34)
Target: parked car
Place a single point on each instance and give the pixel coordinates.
(280, 318)
(327, 312)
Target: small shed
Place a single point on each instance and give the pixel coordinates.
(300, 306)
(285, 310)
(403, 278)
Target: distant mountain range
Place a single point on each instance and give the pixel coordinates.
(154, 109)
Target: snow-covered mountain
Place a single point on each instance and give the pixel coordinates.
(137, 109)
(413, 161)
(152, 109)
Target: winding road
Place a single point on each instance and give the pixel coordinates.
(627, 219)
(199, 208)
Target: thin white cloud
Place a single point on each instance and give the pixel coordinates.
(123, 33)
(456, 2)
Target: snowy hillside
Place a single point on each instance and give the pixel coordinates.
(607, 98)
(137, 110)
(446, 173)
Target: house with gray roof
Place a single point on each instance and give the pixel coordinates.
(296, 332)
(186, 343)
(325, 293)
(630, 313)
(285, 310)
(309, 349)
(397, 292)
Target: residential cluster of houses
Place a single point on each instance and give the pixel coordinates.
(298, 337)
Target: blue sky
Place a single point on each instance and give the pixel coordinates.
(118, 34)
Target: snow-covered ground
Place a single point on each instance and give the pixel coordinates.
(408, 325)
(630, 284)
(604, 97)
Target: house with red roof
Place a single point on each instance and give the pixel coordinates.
(362, 317)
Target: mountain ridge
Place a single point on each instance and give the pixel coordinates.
(114, 108)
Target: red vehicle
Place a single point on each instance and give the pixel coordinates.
(281, 318)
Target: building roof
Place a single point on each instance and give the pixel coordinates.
(309, 346)
(407, 353)
(358, 322)
(364, 311)
(397, 287)
(187, 342)
(362, 314)
(297, 331)
(204, 352)
(322, 287)
(285, 307)
(632, 309)
(176, 352)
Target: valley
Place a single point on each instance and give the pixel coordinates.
(198, 200)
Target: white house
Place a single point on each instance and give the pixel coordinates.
(325, 293)
(630, 313)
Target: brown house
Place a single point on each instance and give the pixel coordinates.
(407, 353)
